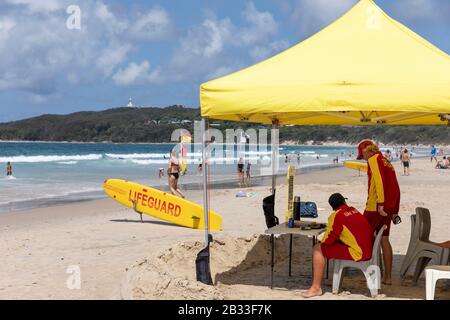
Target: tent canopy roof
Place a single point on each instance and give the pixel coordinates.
(365, 68)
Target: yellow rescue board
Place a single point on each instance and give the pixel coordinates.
(355, 165)
(160, 205)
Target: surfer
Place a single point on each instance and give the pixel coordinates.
(9, 169)
(173, 172)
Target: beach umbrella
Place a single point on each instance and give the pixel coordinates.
(363, 69)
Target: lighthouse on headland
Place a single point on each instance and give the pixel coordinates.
(130, 103)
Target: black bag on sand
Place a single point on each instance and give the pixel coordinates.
(269, 211)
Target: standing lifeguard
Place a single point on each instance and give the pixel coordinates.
(383, 200)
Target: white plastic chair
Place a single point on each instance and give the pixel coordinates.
(370, 268)
(432, 275)
(420, 248)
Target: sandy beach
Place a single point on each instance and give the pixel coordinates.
(121, 258)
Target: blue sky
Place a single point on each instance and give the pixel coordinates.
(159, 52)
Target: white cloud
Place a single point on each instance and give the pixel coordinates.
(203, 44)
(219, 72)
(38, 99)
(110, 21)
(42, 6)
(312, 15)
(135, 74)
(214, 43)
(39, 55)
(262, 25)
(111, 57)
(259, 53)
(152, 25)
(6, 26)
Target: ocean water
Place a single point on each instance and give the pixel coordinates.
(45, 174)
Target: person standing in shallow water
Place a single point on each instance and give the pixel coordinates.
(173, 172)
(9, 169)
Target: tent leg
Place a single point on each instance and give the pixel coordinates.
(203, 258)
(274, 142)
(205, 183)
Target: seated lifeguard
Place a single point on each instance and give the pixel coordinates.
(348, 237)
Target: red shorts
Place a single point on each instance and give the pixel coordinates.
(376, 221)
(336, 251)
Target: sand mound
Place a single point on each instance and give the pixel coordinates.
(240, 269)
(234, 262)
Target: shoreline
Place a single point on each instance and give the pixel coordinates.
(80, 197)
(229, 183)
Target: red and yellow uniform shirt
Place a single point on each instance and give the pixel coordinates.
(348, 236)
(383, 186)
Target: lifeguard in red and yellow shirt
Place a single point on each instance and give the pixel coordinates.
(348, 237)
(383, 199)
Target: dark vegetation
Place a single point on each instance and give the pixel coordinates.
(157, 124)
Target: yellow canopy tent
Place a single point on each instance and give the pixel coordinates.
(363, 69)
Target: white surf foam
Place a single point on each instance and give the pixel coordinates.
(137, 155)
(147, 162)
(53, 158)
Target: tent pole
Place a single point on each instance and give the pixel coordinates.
(205, 183)
(202, 265)
(274, 140)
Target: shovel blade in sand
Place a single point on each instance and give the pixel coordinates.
(202, 266)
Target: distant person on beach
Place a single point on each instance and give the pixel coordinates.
(286, 158)
(247, 172)
(383, 199)
(240, 169)
(298, 158)
(388, 155)
(200, 166)
(336, 161)
(173, 171)
(348, 237)
(406, 161)
(443, 164)
(433, 154)
(441, 151)
(161, 173)
(9, 171)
